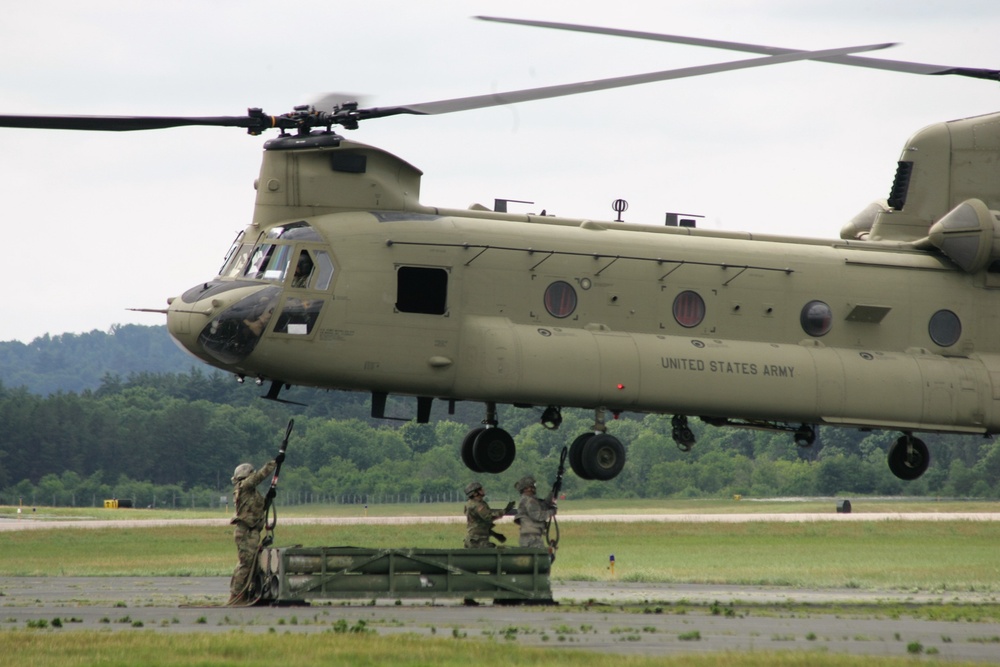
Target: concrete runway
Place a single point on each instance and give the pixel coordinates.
(647, 619)
(614, 618)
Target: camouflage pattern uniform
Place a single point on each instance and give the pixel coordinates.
(479, 519)
(532, 514)
(249, 520)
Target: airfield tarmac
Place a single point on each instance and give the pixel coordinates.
(648, 619)
(607, 617)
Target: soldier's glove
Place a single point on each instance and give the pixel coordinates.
(279, 458)
(509, 510)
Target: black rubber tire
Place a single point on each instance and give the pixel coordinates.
(576, 456)
(603, 457)
(494, 450)
(467, 458)
(908, 463)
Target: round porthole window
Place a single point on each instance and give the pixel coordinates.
(816, 318)
(560, 299)
(689, 309)
(945, 328)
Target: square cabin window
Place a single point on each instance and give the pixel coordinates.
(421, 290)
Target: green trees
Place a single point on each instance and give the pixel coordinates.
(174, 439)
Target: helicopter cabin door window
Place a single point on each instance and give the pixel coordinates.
(421, 289)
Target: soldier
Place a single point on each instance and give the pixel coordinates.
(249, 520)
(479, 519)
(532, 514)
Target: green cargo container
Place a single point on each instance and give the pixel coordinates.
(301, 574)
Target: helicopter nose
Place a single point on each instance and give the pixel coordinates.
(222, 323)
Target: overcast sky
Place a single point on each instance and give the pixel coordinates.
(96, 223)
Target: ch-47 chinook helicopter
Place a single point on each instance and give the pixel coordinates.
(344, 280)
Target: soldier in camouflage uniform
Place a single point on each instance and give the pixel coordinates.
(479, 518)
(249, 520)
(532, 514)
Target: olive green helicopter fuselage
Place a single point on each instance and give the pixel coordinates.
(344, 280)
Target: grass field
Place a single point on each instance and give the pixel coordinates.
(886, 555)
(898, 555)
(116, 650)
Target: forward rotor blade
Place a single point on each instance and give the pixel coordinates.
(256, 121)
(856, 61)
(123, 123)
(531, 94)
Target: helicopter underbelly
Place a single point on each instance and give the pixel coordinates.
(804, 383)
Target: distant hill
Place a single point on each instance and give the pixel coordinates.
(135, 355)
(77, 362)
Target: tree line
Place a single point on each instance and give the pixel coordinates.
(173, 439)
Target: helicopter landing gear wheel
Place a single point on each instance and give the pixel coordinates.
(576, 455)
(805, 436)
(467, 442)
(908, 457)
(603, 457)
(493, 450)
(681, 433)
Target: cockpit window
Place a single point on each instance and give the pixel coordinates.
(236, 258)
(294, 231)
(269, 261)
(236, 261)
(269, 258)
(313, 269)
(324, 270)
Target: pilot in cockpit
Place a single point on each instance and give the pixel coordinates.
(303, 269)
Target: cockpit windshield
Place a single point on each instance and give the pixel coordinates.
(270, 258)
(269, 261)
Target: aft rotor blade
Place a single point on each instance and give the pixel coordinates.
(531, 94)
(855, 61)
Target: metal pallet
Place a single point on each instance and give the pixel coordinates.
(301, 574)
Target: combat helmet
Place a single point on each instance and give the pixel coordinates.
(524, 483)
(242, 471)
(472, 488)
